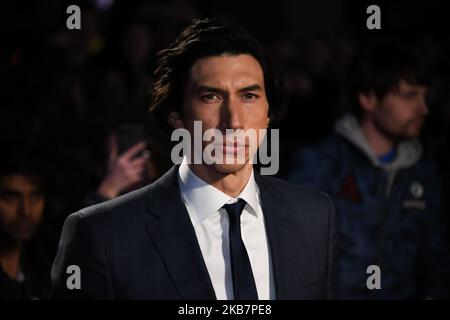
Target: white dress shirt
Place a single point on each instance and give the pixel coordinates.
(204, 204)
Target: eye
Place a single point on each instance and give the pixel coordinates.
(248, 96)
(8, 197)
(411, 95)
(36, 197)
(210, 97)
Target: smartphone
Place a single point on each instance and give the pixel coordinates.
(129, 134)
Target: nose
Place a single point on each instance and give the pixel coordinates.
(423, 106)
(25, 208)
(232, 114)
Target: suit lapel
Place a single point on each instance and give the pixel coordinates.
(173, 235)
(292, 252)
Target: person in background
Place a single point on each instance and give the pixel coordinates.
(384, 185)
(24, 260)
(133, 159)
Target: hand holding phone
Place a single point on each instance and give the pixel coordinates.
(125, 169)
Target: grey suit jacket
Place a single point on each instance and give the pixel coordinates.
(142, 245)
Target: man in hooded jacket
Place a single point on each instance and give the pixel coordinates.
(385, 187)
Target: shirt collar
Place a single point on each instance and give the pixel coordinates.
(204, 199)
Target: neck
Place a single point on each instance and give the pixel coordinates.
(229, 183)
(378, 142)
(10, 260)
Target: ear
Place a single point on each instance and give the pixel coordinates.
(268, 122)
(175, 121)
(367, 101)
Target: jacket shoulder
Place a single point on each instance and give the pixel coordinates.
(295, 191)
(130, 204)
(128, 209)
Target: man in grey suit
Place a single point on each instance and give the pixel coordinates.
(205, 231)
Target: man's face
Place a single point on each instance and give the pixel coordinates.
(401, 112)
(21, 207)
(227, 92)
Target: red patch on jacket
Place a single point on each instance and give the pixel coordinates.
(349, 190)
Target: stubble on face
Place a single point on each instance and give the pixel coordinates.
(400, 114)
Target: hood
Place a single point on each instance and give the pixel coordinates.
(408, 151)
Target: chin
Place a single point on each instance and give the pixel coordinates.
(22, 237)
(414, 130)
(412, 133)
(228, 168)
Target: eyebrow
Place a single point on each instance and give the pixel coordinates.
(16, 193)
(202, 88)
(9, 192)
(412, 90)
(253, 87)
(207, 89)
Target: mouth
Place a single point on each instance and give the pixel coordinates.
(233, 147)
(24, 228)
(418, 123)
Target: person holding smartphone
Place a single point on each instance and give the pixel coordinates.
(128, 164)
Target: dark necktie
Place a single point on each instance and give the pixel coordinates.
(244, 287)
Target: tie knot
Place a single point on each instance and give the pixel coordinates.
(234, 210)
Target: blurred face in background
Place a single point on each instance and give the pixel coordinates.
(400, 113)
(137, 44)
(21, 206)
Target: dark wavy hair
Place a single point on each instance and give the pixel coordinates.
(204, 38)
(380, 66)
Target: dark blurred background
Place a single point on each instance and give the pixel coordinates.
(64, 91)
